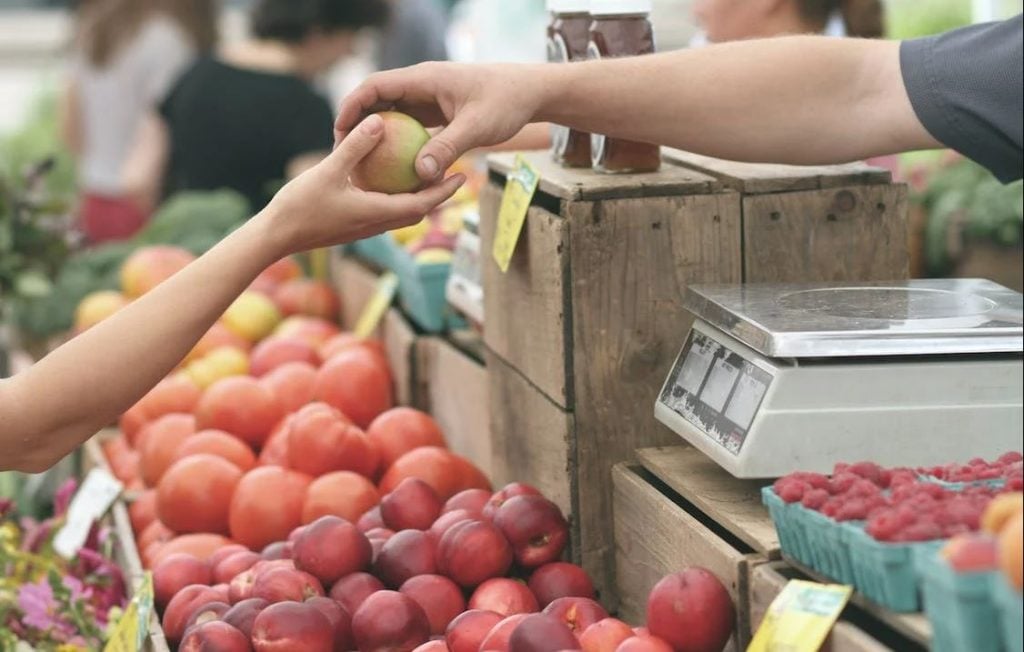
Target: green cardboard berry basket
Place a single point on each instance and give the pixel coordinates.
(960, 606)
(1010, 608)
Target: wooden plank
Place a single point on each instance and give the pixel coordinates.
(527, 316)
(654, 537)
(457, 397)
(354, 283)
(531, 437)
(585, 184)
(760, 178)
(768, 580)
(914, 626)
(399, 341)
(841, 234)
(732, 503)
(631, 262)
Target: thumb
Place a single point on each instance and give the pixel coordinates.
(443, 149)
(357, 144)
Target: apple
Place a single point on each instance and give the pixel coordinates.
(507, 492)
(243, 614)
(504, 596)
(542, 633)
(340, 620)
(413, 505)
(433, 646)
(288, 626)
(206, 613)
(277, 550)
(330, 548)
(182, 605)
(230, 567)
(447, 520)
(644, 644)
(560, 579)
(283, 584)
(471, 500)
(468, 630)
(440, 598)
(407, 554)
(691, 611)
(381, 533)
(215, 635)
(370, 520)
(390, 167)
(605, 635)
(535, 527)
(352, 590)
(577, 613)
(473, 551)
(223, 553)
(497, 639)
(174, 573)
(390, 621)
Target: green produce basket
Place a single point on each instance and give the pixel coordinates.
(788, 526)
(960, 606)
(1010, 608)
(377, 249)
(421, 292)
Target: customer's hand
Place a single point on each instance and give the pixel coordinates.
(321, 207)
(477, 106)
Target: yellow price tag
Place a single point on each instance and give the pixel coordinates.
(130, 632)
(519, 189)
(377, 305)
(800, 617)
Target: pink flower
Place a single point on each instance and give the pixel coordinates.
(62, 497)
(39, 607)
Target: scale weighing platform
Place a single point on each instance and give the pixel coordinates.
(779, 378)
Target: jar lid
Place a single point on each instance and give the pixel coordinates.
(612, 7)
(568, 6)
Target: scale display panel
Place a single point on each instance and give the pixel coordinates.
(716, 390)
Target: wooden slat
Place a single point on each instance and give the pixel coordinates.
(766, 582)
(399, 341)
(855, 233)
(655, 537)
(457, 397)
(631, 262)
(732, 503)
(354, 283)
(760, 178)
(527, 317)
(531, 437)
(585, 184)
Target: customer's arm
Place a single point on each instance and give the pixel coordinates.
(52, 407)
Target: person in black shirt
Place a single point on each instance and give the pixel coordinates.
(249, 118)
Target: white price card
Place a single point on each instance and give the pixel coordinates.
(91, 501)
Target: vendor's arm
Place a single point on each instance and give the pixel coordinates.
(63, 399)
(799, 100)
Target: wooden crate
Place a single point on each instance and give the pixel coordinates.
(589, 315)
(355, 283)
(855, 631)
(452, 386)
(657, 534)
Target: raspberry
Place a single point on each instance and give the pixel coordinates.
(884, 525)
(990, 473)
(841, 483)
(855, 509)
(790, 489)
(976, 461)
(840, 467)
(953, 529)
(864, 488)
(868, 471)
(814, 499)
(832, 507)
(1010, 458)
(816, 480)
(922, 530)
(1015, 483)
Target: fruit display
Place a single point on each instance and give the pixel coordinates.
(865, 525)
(47, 602)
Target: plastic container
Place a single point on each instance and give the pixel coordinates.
(1010, 610)
(960, 606)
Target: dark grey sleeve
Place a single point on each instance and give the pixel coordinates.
(966, 88)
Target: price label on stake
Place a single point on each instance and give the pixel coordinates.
(377, 306)
(519, 189)
(800, 617)
(129, 633)
(91, 501)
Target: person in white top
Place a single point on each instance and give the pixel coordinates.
(126, 55)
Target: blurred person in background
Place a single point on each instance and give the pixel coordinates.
(249, 116)
(126, 55)
(735, 20)
(415, 33)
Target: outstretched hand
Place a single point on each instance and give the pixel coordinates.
(475, 106)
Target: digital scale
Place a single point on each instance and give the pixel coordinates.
(464, 291)
(779, 378)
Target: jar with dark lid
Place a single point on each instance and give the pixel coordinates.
(568, 37)
(621, 28)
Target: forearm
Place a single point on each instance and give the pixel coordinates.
(800, 100)
(52, 407)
